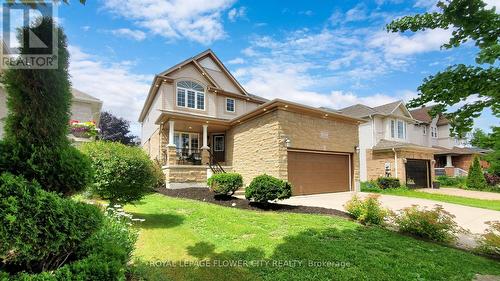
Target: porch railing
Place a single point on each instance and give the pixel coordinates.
(186, 156)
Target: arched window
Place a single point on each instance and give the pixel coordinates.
(190, 94)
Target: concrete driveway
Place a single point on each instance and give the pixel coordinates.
(469, 218)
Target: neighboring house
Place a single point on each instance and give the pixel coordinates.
(197, 119)
(84, 108)
(453, 157)
(393, 143)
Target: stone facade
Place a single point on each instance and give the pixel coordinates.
(259, 145)
(185, 176)
(375, 163)
(253, 147)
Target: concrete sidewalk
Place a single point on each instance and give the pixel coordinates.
(469, 218)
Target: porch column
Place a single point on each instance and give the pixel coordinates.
(171, 133)
(449, 163)
(205, 136)
(171, 151)
(205, 156)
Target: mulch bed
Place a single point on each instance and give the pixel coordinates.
(205, 195)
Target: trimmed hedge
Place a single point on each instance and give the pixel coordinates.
(40, 230)
(452, 181)
(225, 183)
(388, 182)
(266, 188)
(123, 173)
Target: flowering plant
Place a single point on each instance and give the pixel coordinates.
(85, 129)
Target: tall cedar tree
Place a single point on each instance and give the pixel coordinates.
(115, 129)
(470, 20)
(35, 143)
(475, 178)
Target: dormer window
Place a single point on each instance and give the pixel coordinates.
(230, 105)
(191, 95)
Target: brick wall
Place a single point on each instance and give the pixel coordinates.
(375, 162)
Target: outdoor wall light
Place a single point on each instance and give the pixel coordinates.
(356, 148)
(288, 142)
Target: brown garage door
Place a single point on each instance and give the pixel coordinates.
(311, 173)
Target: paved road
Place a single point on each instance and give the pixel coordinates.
(464, 193)
(467, 217)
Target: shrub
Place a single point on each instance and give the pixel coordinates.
(475, 178)
(123, 174)
(104, 256)
(388, 182)
(266, 188)
(492, 179)
(159, 175)
(435, 224)
(40, 230)
(370, 186)
(225, 183)
(490, 242)
(452, 181)
(35, 141)
(368, 211)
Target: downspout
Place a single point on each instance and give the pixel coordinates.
(395, 162)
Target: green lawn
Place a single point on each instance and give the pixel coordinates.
(179, 231)
(472, 202)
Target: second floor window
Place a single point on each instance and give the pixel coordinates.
(434, 132)
(191, 95)
(424, 130)
(229, 105)
(398, 129)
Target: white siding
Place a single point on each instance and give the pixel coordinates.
(148, 125)
(365, 142)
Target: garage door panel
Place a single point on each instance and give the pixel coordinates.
(311, 173)
(417, 171)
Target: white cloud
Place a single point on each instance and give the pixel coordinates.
(137, 35)
(122, 92)
(359, 12)
(236, 13)
(236, 61)
(399, 44)
(86, 28)
(196, 20)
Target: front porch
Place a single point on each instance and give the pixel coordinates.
(191, 149)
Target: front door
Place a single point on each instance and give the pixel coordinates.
(218, 147)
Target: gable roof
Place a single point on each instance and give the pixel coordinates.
(362, 111)
(422, 114)
(81, 96)
(163, 77)
(214, 57)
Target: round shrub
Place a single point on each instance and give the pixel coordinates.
(122, 174)
(40, 230)
(367, 211)
(388, 182)
(266, 188)
(225, 183)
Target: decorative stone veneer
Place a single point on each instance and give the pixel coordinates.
(258, 146)
(185, 176)
(375, 163)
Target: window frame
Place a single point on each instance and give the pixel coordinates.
(223, 143)
(434, 132)
(178, 136)
(395, 129)
(234, 105)
(186, 94)
(424, 130)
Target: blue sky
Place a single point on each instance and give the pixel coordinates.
(321, 53)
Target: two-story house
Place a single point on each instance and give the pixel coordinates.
(197, 119)
(393, 143)
(453, 156)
